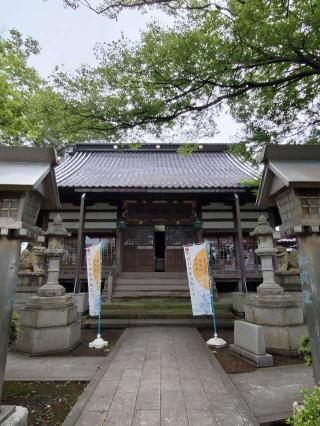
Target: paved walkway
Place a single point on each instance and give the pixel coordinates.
(160, 376)
(270, 392)
(23, 368)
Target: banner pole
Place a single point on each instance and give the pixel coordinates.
(211, 293)
(214, 342)
(99, 343)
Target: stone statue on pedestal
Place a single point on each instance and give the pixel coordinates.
(31, 259)
(288, 273)
(287, 262)
(32, 272)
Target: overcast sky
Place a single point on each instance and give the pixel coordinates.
(68, 37)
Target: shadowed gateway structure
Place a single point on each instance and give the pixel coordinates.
(145, 204)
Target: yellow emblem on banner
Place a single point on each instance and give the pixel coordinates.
(200, 268)
(96, 265)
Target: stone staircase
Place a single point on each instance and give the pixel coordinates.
(166, 310)
(150, 284)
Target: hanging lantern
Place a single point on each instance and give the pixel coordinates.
(121, 224)
(197, 223)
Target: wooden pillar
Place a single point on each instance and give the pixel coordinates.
(119, 239)
(242, 282)
(77, 281)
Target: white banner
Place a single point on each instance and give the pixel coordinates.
(93, 255)
(198, 276)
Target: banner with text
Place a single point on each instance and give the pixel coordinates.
(198, 276)
(93, 255)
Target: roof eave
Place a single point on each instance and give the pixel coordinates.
(158, 190)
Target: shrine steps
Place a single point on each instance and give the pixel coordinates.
(159, 309)
(150, 284)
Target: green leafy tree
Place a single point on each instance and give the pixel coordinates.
(259, 58)
(18, 83)
(31, 112)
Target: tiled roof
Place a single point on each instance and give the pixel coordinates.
(152, 169)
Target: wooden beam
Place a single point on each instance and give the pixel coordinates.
(77, 281)
(242, 281)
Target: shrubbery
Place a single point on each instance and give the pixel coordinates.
(15, 328)
(305, 349)
(309, 413)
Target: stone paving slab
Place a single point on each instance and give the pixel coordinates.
(23, 368)
(270, 392)
(159, 376)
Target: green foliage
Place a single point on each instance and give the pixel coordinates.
(305, 349)
(309, 414)
(18, 83)
(259, 57)
(15, 328)
(252, 184)
(187, 149)
(31, 113)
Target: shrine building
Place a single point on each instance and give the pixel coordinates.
(145, 204)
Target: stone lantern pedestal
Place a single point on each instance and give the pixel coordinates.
(277, 312)
(49, 321)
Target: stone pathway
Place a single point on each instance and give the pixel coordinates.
(270, 392)
(23, 368)
(161, 376)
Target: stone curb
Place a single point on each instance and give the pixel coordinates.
(83, 400)
(234, 393)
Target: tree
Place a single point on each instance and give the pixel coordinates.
(18, 83)
(261, 58)
(31, 113)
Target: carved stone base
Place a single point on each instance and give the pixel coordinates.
(34, 279)
(28, 284)
(289, 281)
(48, 324)
(281, 318)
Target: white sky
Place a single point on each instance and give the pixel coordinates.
(68, 37)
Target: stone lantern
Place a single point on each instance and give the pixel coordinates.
(278, 313)
(49, 321)
(264, 235)
(27, 184)
(291, 181)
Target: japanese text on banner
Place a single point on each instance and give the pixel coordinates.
(93, 255)
(198, 277)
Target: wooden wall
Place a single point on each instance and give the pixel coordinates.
(99, 217)
(219, 216)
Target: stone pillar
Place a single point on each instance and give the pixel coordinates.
(32, 272)
(49, 320)
(309, 262)
(278, 313)
(9, 261)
